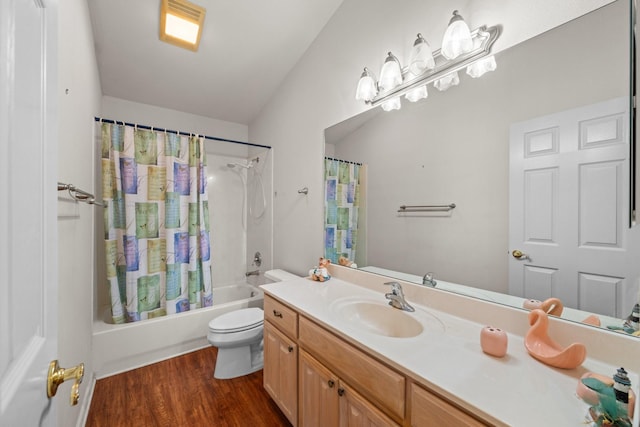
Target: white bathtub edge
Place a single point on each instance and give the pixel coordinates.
(121, 348)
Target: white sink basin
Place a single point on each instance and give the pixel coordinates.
(379, 318)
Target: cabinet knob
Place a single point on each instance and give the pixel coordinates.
(340, 391)
(331, 383)
(290, 349)
(277, 313)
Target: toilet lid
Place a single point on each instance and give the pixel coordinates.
(238, 320)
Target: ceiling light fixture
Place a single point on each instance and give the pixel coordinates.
(181, 23)
(427, 66)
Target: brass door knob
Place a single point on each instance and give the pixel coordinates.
(519, 254)
(58, 375)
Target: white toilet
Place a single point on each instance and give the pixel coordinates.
(238, 336)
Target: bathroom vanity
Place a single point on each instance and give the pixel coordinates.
(337, 354)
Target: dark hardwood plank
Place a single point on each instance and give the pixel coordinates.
(182, 392)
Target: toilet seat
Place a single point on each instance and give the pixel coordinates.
(237, 321)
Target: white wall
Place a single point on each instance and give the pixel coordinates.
(78, 74)
(239, 220)
(319, 92)
(150, 115)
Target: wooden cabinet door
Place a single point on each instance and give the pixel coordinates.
(280, 373)
(355, 411)
(318, 394)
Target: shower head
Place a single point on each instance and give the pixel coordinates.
(240, 165)
(233, 165)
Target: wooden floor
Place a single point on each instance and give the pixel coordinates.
(182, 392)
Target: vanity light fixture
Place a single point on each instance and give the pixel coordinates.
(457, 38)
(427, 66)
(181, 23)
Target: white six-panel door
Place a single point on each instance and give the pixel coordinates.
(28, 291)
(569, 204)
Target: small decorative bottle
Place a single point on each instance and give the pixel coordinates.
(621, 386)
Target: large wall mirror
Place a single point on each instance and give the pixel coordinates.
(540, 146)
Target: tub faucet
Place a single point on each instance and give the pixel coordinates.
(428, 280)
(252, 273)
(396, 297)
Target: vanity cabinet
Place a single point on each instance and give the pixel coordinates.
(327, 401)
(280, 372)
(320, 380)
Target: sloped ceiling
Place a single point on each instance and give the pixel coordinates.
(247, 49)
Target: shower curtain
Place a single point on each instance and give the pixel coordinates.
(342, 199)
(156, 222)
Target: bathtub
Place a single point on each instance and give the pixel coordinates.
(122, 347)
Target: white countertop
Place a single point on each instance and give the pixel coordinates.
(514, 390)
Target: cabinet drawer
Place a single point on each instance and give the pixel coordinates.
(281, 316)
(427, 409)
(376, 382)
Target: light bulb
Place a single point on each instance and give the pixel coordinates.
(447, 81)
(366, 89)
(391, 73)
(391, 104)
(482, 66)
(421, 56)
(457, 38)
(417, 94)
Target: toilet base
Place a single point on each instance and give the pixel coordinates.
(239, 361)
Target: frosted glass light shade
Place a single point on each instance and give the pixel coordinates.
(366, 89)
(391, 73)
(457, 38)
(417, 94)
(482, 66)
(447, 81)
(421, 56)
(391, 104)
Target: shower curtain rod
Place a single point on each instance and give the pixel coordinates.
(177, 132)
(343, 161)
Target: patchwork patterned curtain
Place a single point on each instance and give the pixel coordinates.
(156, 222)
(342, 193)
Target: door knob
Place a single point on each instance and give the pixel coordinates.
(519, 254)
(58, 375)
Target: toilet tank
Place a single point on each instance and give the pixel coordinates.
(279, 275)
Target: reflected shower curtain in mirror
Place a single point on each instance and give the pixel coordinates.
(156, 222)
(342, 201)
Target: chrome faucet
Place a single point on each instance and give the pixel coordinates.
(396, 297)
(252, 273)
(428, 280)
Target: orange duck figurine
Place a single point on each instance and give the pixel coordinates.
(544, 349)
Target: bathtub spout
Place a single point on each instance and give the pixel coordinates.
(252, 273)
